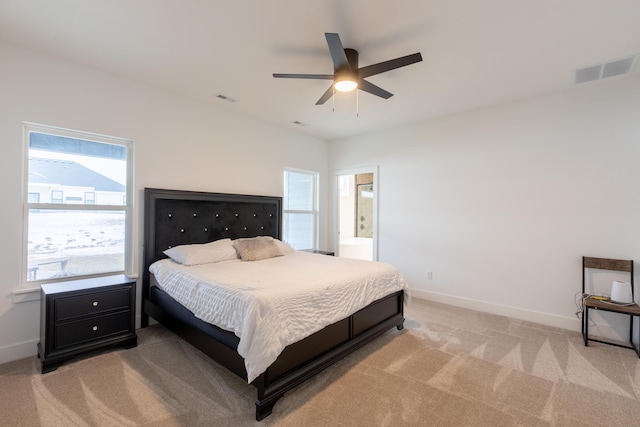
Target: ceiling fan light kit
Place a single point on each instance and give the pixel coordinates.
(346, 85)
(345, 81)
(347, 76)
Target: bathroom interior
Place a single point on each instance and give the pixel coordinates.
(356, 205)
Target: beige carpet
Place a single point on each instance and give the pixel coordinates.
(448, 367)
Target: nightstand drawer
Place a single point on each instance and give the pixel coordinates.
(89, 304)
(72, 333)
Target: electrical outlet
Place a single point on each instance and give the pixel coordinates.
(429, 275)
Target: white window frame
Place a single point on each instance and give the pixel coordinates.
(314, 211)
(128, 207)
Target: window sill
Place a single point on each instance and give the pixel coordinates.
(25, 295)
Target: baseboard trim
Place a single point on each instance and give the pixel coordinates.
(18, 351)
(563, 322)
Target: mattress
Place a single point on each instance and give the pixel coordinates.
(272, 303)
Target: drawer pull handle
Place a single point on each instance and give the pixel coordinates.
(95, 303)
(95, 328)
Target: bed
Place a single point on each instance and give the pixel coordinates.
(174, 218)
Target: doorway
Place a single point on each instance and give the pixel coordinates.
(356, 201)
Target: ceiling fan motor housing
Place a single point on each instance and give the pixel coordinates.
(348, 72)
(352, 57)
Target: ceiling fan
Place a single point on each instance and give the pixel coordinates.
(346, 74)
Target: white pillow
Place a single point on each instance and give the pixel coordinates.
(216, 251)
(257, 248)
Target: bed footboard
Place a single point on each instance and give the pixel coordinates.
(362, 327)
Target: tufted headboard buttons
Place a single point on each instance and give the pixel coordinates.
(174, 217)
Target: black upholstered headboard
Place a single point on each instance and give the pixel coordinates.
(176, 217)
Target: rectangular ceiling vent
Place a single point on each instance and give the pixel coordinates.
(225, 98)
(607, 69)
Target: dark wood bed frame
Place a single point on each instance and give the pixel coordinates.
(175, 217)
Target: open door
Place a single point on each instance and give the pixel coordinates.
(356, 202)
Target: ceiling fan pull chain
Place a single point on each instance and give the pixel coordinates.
(357, 103)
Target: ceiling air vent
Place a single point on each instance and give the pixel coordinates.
(617, 68)
(607, 69)
(225, 98)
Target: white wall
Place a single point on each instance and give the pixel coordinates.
(502, 203)
(180, 143)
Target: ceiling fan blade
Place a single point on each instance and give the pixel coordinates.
(373, 89)
(304, 76)
(336, 50)
(325, 96)
(392, 64)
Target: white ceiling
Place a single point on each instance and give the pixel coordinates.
(476, 52)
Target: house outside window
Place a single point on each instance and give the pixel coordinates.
(300, 209)
(78, 211)
(56, 196)
(33, 197)
(90, 198)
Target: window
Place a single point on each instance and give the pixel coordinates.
(56, 196)
(78, 196)
(90, 198)
(300, 208)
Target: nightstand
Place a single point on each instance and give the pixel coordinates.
(317, 251)
(78, 316)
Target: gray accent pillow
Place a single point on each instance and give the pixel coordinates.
(257, 248)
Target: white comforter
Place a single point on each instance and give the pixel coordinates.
(275, 302)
